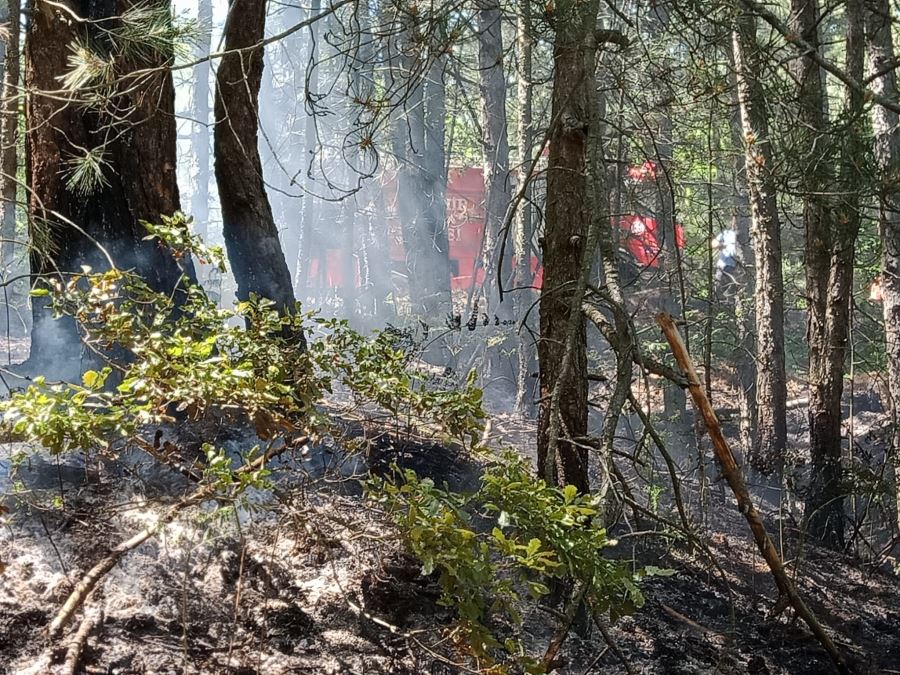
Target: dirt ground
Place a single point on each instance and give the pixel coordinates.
(303, 579)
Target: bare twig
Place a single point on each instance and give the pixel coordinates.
(560, 637)
(667, 458)
(604, 631)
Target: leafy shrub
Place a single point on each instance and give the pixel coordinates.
(539, 532)
(162, 354)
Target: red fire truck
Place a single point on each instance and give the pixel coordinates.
(639, 239)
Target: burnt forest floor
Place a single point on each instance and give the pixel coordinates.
(307, 579)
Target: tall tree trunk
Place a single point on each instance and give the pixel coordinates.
(562, 347)
(663, 148)
(348, 243)
(307, 239)
(374, 254)
(408, 139)
(830, 246)
(200, 122)
(434, 234)
(139, 180)
(886, 126)
(495, 145)
(9, 146)
(815, 185)
(358, 240)
(743, 354)
(418, 143)
(524, 227)
(495, 149)
(771, 380)
(251, 236)
(603, 237)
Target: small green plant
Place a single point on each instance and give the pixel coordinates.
(539, 532)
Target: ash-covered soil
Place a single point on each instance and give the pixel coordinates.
(308, 579)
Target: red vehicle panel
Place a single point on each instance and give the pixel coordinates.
(465, 229)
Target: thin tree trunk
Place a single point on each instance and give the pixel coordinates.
(346, 223)
(307, 238)
(662, 147)
(886, 126)
(9, 137)
(495, 145)
(831, 243)
(602, 229)
(358, 240)
(418, 140)
(9, 165)
(375, 257)
(523, 224)
(248, 225)
(200, 122)
(495, 149)
(771, 380)
(562, 347)
(744, 351)
(409, 147)
(434, 235)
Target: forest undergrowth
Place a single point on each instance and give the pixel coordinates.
(220, 495)
(306, 576)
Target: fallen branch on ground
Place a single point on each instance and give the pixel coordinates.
(89, 581)
(735, 479)
(76, 646)
(690, 623)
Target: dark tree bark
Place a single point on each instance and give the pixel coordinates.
(816, 181)
(886, 126)
(562, 346)
(9, 133)
(139, 179)
(495, 154)
(815, 184)
(251, 235)
(771, 381)
(831, 232)
(9, 161)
